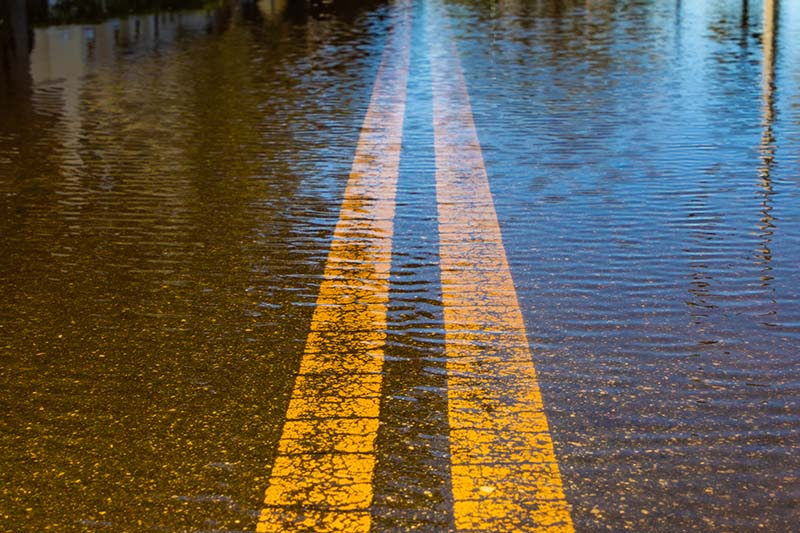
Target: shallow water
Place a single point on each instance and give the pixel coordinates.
(169, 188)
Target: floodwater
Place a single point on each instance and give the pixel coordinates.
(170, 185)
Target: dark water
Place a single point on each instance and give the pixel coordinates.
(169, 185)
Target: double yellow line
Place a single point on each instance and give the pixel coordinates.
(505, 476)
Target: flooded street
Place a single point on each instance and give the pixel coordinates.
(290, 266)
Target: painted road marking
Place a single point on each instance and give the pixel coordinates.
(322, 476)
(504, 471)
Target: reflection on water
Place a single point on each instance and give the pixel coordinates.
(54, 12)
(16, 41)
(162, 246)
(170, 184)
(768, 147)
(650, 211)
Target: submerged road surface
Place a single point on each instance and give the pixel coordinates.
(504, 474)
(411, 265)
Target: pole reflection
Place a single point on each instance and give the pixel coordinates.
(768, 146)
(16, 41)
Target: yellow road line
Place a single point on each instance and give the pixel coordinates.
(322, 476)
(504, 471)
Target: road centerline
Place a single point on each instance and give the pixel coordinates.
(505, 475)
(322, 476)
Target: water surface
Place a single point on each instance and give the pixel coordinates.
(169, 187)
